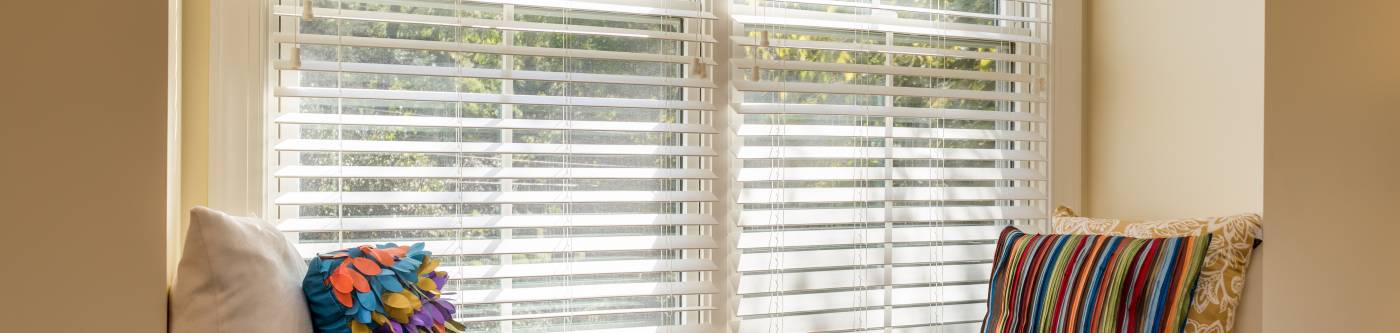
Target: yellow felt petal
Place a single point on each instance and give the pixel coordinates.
(357, 327)
(428, 285)
(412, 299)
(400, 315)
(429, 265)
(396, 301)
(378, 318)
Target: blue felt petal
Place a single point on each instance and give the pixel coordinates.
(415, 251)
(364, 317)
(376, 288)
(321, 265)
(407, 265)
(407, 269)
(355, 252)
(366, 301)
(390, 282)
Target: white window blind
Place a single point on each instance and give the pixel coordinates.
(559, 154)
(883, 145)
(556, 153)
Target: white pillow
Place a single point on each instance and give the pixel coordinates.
(237, 275)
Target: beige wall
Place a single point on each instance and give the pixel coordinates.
(1332, 147)
(83, 136)
(1175, 120)
(1175, 94)
(1067, 118)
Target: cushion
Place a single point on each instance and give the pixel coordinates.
(237, 275)
(383, 289)
(1222, 275)
(1091, 283)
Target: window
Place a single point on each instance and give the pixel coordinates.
(558, 158)
(883, 147)
(561, 154)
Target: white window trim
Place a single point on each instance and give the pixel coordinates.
(239, 73)
(174, 231)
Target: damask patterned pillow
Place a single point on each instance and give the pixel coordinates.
(1221, 284)
(1092, 283)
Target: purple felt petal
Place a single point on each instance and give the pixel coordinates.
(419, 319)
(439, 278)
(432, 312)
(445, 307)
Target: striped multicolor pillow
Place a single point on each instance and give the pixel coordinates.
(1087, 283)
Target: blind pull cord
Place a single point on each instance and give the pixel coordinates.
(698, 68)
(296, 57)
(306, 15)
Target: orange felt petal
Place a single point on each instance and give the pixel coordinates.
(344, 298)
(365, 266)
(344, 266)
(384, 258)
(361, 284)
(341, 281)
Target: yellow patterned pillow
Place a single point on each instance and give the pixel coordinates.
(1222, 274)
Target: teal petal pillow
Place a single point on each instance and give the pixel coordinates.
(383, 289)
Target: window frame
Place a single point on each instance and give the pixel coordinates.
(240, 91)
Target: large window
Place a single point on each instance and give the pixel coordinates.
(561, 154)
